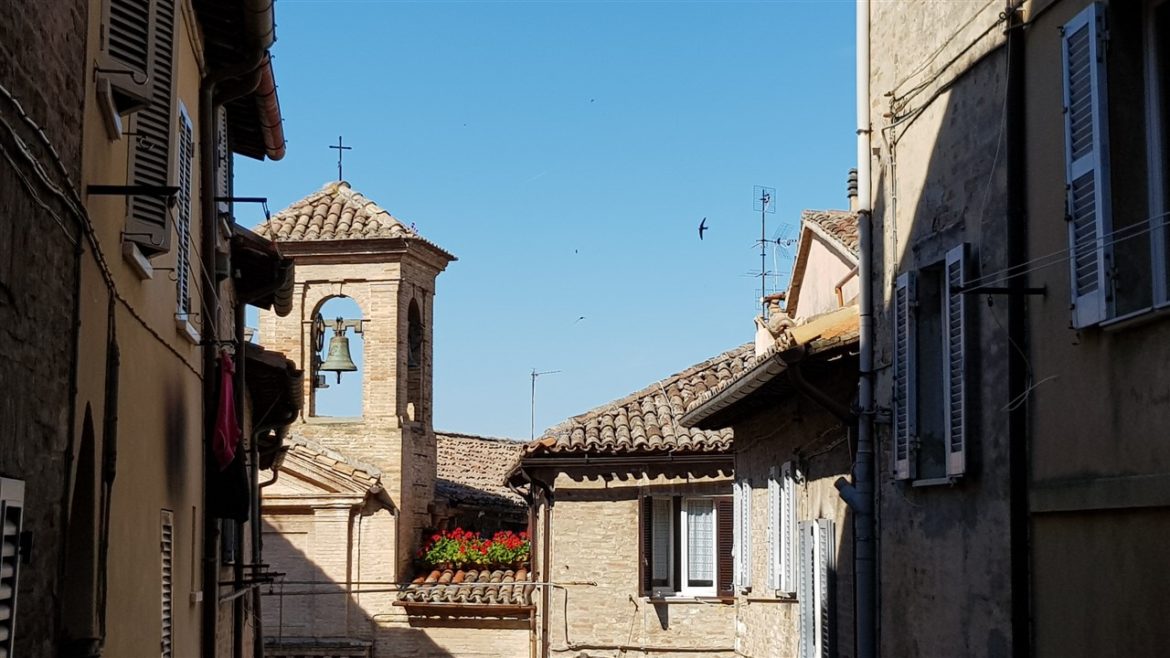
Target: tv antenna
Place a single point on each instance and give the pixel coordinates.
(532, 408)
(765, 202)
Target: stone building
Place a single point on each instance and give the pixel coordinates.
(123, 290)
(633, 532)
(791, 409)
(948, 535)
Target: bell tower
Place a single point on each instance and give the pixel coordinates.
(345, 245)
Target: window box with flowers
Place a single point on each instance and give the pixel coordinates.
(466, 572)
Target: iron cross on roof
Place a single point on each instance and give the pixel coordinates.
(340, 152)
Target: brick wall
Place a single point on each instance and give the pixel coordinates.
(768, 622)
(42, 48)
(595, 557)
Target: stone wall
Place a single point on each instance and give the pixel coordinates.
(796, 429)
(939, 180)
(42, 53)
(599, 608)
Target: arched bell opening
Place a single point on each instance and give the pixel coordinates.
(337, 348)
(414, 362)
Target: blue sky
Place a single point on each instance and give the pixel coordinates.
(566, 152)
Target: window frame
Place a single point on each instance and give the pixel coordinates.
(905, 430)
(1158, 178)
(782, 529)
(678, 578)
(684, 588)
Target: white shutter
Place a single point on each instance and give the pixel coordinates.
(806, 589)
(11, 516)
(737, 533)
(905, 376)
(826, 566)
(167, 551)
(774, 541)
(955, 368)
(745, 550)
(1086, 147)
(183, 226)
(787, 528)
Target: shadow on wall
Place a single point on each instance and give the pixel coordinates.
(308, 612)
(942, 174)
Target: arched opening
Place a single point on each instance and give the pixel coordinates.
(414, 362)
(334, 395)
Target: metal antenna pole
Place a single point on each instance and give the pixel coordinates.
(766, 198)
(532, 408)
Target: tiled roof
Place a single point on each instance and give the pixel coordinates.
(358, 472)
(827, 333)
(648, 421)
(471, 470)
(839, 226)
(486, 587)
(336, 212)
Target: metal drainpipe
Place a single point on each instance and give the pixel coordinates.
(238, 565)
(860, 495)
(210, 315)
(1017, 216)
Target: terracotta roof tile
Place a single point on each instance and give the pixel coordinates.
(648, 421)
(837, 225)
(336, 212)
(349, 468)
(486, 587)
(471, 470)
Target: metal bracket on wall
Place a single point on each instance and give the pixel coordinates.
(262, 200)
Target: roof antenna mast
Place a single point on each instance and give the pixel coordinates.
(532, 423)
(765, 202)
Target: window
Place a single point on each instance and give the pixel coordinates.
(743, 533)
(817, 593)
(183, 226)
(167, 551)
(1117, 208)
(687, 545)
(930, 364)
(147, 221)
(11, 515)
(782, 529)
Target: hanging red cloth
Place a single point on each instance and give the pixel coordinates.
(227, 432)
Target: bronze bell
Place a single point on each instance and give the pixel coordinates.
(339, 360)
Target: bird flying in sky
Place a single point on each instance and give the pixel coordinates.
(702, 227)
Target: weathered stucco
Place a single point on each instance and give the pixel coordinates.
(938, 181)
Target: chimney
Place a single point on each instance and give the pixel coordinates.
(851, 190)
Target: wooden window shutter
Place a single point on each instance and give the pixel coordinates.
(725, 546)
(954, 372)
(787, 528)
(223, 162)
(806, 588)
(826, 568)
(11, 516)
(905, 377)
(127, 39)
(183, 225)
(148, 221)
(167, 551)
(774, 542)
(1086, 147)
(646, 545)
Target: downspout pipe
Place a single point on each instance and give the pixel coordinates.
(1017, 251)
(860, 494)
(260, 23)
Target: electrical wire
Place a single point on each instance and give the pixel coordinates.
(72, 200)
